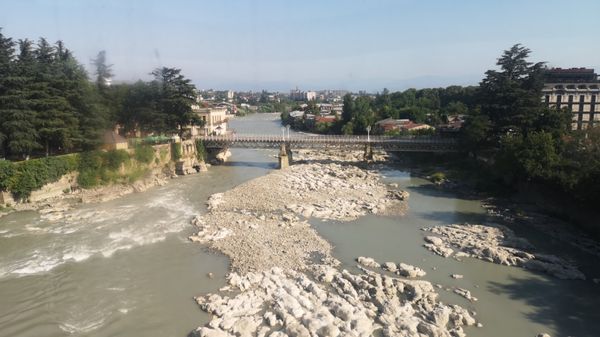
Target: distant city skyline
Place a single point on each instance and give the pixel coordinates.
(312, 45)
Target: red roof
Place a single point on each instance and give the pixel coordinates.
(325, 119)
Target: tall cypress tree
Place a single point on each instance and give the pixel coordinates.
(7, 50)
(56, 122)
(18, 118)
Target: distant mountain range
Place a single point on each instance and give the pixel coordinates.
(371, 85)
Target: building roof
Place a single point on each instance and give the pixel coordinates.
(391, 121)
(325, 119)
(111, 137)
(571, 75)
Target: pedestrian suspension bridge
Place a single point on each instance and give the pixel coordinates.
(302, 141)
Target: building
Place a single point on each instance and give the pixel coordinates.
(296, 114)
(215, 121)
(577, 90)
(455, 123)
(325, 119)
(390, 124)
(111, 140)
(298, 95)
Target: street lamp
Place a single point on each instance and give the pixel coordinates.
(368, 133)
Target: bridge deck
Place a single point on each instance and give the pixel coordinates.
(407, 143)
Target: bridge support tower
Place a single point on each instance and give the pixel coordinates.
(368, 155)
(285, 156)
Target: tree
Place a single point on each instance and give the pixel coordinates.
(139, 108)
(7, 50)
(363, 114)
(475, 133)
(348, 108)
(177, 95)
(56, 122)
(348, 128)
(103, 71)
(510, 97)
(16, 116)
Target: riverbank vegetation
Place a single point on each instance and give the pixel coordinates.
(522, 140)
(21, 178)
(513, 143)
(94, 168)
(49, 105)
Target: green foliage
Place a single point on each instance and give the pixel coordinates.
(115, 158)
(348, 128)
(22, 178)
(174, 100)
(46, 102)
(144, 154)
(91, 167)
(136, 174)
(176, 152)
(522, 140)
(200, 150)
(101, 168)
(438, 177)
(7, 172)
(87, 179)
(475, 133)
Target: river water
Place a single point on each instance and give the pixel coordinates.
(126, 268)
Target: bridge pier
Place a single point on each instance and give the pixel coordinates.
(368, 155)
(284, 159)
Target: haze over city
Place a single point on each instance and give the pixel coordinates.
(360, 45)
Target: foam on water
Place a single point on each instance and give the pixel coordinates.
(83, 326)
(104, 230)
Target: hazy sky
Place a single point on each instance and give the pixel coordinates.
(278, 45)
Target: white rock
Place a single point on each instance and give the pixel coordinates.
(390, 266)
(368, 262)
(407, 270)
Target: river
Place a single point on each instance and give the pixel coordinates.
(125, 267)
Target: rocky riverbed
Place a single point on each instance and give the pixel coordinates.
(262, 223)
(284, 280)
(497, 244)
(327, 302)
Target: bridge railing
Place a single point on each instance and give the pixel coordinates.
(326, 139)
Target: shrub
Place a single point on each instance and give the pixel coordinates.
(438, 177)
(176, 153)
(7, 172)
(115, 158)
(200, 150)
(136, 174)
(144, 154)
(91, 165)
(87, 179)
(24, 177)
